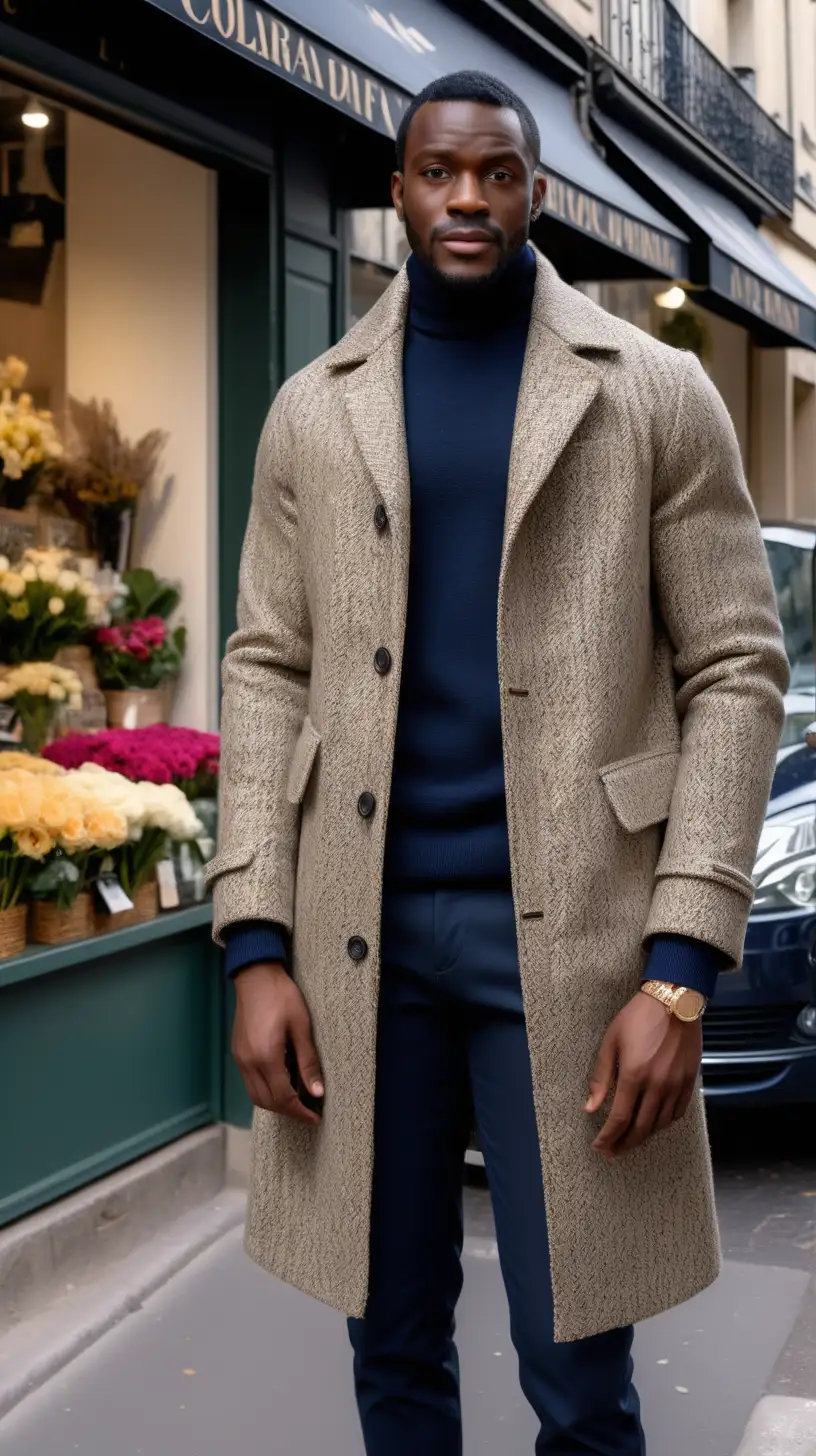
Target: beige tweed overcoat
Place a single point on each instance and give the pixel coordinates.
(641, 671)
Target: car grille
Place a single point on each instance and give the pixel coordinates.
(748, 1028)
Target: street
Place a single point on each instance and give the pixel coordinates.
(224, 1358)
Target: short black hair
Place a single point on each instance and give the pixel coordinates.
(471, 86)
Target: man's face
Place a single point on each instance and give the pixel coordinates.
(468, 190)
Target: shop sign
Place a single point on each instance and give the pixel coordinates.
(778, 310)
(253, 30)
(663, 253)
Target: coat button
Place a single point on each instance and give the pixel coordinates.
(357, 948)
(380, 517)
(382, 661)
(366, 804)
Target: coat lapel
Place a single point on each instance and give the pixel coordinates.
(374, 396)
(558, 386)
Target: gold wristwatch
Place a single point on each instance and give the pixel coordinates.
(678, 1000)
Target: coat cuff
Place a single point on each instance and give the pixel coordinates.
(249, 941)
(701, 909)
(685, 962)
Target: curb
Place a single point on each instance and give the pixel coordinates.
(35, 1350)
(781, 1425)
(68, 1242)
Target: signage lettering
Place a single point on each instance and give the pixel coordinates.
(569, 203)
(223, 13)
(766, 302)
(187, 6)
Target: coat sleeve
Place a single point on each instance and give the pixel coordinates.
(715, 595)
(265, 678)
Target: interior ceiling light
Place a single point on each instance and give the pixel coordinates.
(35, 114)
(672, 298)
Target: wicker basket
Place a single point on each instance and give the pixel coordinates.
(145, 907)
(80, 659)
(52, 926)
(13, 928)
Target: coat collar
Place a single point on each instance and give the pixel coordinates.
(558, 387)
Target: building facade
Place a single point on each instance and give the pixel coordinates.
(683, 62)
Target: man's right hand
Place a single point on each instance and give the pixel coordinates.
(271, 1017)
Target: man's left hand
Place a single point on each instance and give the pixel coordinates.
(652, 1060)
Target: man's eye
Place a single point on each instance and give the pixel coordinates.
(435, 173)
(501, 175)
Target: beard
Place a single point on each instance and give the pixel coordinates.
(511, 247)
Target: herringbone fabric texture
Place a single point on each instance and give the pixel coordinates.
(636, 614)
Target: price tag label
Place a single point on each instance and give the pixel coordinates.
(113, 896)
(168, 887)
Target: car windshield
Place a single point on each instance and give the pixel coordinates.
(792, 569)
(790, 553)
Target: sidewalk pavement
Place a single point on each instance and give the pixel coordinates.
(223, 1357)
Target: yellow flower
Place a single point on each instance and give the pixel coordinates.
(74, 836)
(34, 841)
(12, 584)
(106, 827)
(56, 606)
(13, 809)
(29, 572)
(57, 693)
(14, 759)
(19, 611)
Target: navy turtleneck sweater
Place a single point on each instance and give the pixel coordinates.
(447, 823)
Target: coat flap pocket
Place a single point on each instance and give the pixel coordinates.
(302, 761)
(640, 788)
(229, 859)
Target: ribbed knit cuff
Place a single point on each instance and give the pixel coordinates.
(249, 941)
(685, 962)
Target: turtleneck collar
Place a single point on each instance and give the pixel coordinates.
(450, 312)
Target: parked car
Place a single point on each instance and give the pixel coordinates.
(759, 1032)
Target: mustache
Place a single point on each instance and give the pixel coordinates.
(489, 228)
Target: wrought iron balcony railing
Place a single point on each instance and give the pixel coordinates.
(650, 40)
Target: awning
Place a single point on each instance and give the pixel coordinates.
(736, 263)
(368, 61)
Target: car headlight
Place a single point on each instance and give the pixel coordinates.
(785, 869)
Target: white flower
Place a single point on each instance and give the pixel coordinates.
(95, 608)
(56, 693)
(29, 572)
(56, 606)
(68, 580)
(48, 572)
(13, 584)
(4, 563)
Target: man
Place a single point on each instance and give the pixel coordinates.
(503, 591)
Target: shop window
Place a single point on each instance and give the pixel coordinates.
(378, 247)
(107, 294)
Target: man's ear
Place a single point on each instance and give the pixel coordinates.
(397, 189)
(539, 193)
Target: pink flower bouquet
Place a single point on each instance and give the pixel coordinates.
(139, 654)
(160, 755)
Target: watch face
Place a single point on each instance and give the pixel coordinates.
(689, 1006)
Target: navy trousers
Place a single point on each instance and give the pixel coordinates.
(452, 1040)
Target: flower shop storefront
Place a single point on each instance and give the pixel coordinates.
(111, 994)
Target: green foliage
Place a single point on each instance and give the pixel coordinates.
(147, 596)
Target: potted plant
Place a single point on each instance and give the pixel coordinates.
(83, 828)
(160, 754)
(103, 476)
(36, 691)
(28, 438)
(44, 607)
(157, 815)
(54, 834)
(22, 847)
(136, 663)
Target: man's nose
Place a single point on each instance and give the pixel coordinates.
(467, 197)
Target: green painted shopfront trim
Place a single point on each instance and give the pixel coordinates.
(109, 1049)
